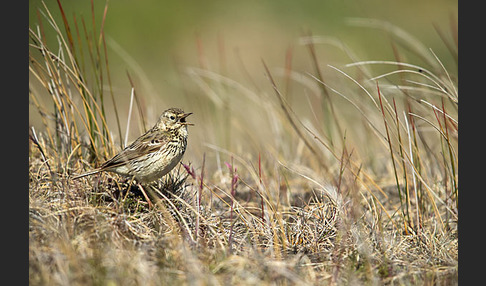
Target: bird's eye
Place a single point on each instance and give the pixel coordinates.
(172, 117)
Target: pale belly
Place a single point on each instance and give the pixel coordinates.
(152, 169)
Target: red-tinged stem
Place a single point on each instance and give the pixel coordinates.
(261, 184)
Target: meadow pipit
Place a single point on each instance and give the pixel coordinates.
(153, 154)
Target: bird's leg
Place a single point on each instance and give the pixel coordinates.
(145, 195)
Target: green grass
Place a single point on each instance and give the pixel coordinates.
(313, 173)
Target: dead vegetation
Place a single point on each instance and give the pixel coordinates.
(359, 186)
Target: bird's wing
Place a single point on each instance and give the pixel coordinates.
(147, 143)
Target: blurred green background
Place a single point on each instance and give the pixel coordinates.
(155, 41)
(158, 33)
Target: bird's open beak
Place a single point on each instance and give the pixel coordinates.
(183, 119)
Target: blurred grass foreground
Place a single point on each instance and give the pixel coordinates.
(324, 150)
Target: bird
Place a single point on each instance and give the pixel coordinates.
(154, 154)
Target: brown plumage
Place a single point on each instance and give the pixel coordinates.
(153, 154)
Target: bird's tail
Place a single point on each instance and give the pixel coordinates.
(86, 174)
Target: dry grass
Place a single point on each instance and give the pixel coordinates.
(355, 184)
